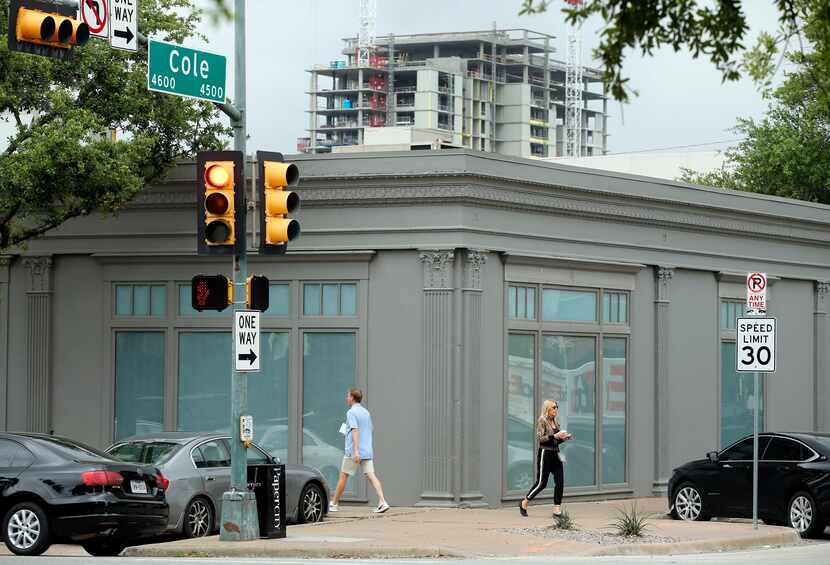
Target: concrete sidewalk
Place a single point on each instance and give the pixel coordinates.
(436, 532)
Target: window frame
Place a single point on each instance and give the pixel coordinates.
(810, 459)
(132, 316)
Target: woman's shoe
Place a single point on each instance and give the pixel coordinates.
(522, 510)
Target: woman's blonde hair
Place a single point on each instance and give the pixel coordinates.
(547, 405)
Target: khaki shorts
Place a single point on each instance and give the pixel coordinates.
(350, 467)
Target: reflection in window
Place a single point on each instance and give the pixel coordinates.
(329, 299)
(737, 400)
(268, 395)
(140, 300)
(614, 307)
(613, 409)
(568, 368)
(520, 413)
(139, 383)
(279, 302)
(329, 364)
(729, 312)
(569, 305)
(521, 302)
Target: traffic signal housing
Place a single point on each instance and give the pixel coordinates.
(43, 28)
(256, 293)
(220, 197)
(211, 292)
(276, 229)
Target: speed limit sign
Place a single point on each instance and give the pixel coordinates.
(756, 345)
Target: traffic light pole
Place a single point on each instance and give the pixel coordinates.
(239, 513)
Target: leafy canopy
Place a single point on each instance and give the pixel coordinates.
(61, 161)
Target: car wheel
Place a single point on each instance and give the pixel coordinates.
(804, 515)
(311, 504)
(198, 518)
(104, 547)
(26, 529)
(688, 503)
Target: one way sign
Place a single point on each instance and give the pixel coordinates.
(246, 340)
(124, 24)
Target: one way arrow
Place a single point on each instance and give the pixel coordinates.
(248, 356)
(126, 34)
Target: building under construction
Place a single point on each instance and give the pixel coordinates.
(499, 91)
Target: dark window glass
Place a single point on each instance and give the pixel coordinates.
(214, 454)
(143, 452)
(22, 458)
(129, 452)
(256, 456)
(72, 449)
(742, 451)
(781, 449)
(7, 451)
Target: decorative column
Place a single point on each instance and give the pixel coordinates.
(38, 340)
(470, 386)
(5, 262)
(820, 377)
(438, 341)
(662, 417)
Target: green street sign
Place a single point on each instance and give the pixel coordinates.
(178, 70)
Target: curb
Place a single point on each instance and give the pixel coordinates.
(784, 537)
(296, 552)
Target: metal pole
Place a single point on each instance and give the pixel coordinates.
(755, 455)
(239, 513)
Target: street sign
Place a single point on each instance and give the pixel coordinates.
(96, 14)
(756, 292)
(246, 340)
(124, 24)
(756, 345)
(182, 71)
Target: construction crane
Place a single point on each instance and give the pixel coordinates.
(573, 90)
(366, 35)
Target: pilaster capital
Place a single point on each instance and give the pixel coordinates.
(474, 263)
(437, 267)
(38, 273)
(822, 289)
(664, 275)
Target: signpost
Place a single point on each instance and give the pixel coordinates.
(755, 354)
(96, 14)
(246, 340)
(182, 71)
(124, 24)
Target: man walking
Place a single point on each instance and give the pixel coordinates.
(358, 429)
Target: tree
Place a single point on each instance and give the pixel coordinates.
(61, 162)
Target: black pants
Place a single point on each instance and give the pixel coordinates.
(547, 461)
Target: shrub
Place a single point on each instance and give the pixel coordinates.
(630, 521)
(564, 521)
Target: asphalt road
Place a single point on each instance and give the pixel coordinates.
(808, 554)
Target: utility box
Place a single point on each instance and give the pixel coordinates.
(267, 481)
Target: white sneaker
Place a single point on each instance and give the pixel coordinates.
(381, 508)
(333, 507)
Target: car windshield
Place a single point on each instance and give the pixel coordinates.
(145, 452)
(72, 449)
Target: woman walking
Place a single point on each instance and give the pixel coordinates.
(548, 460)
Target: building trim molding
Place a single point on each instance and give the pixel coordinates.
(662, 347)
(39, 341)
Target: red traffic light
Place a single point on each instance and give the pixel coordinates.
(211, 292)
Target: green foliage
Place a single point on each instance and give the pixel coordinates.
(564, 521)
(630, 521)
(714, 29)
(61, 161)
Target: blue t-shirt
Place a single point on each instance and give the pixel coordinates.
(358, 417)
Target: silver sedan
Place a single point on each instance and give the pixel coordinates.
(198, 468)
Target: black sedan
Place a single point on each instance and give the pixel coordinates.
(793, 482)
(57, 490)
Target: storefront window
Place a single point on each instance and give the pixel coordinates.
(730, 311)
(614, 307)
(568, 369)
(569, 305)
(737, 399)
(330, 299)
(329, 370)
(139, 383)
(279, 302)
(521, 416)
(613, 409)
(521, 302)
(140, 300)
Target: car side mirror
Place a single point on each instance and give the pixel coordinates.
(712, 456)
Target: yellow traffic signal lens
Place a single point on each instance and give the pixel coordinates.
(217, 176)
(278, 202)
(217, 231)
(64, 31)
(281, 174)
(217, 203)
(80, 33)
(32, 24)
(281, 230)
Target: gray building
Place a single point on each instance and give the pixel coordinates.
(498, 91)
(459, 289)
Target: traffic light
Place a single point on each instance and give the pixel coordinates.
(211, 292)
(220, 194)
(256, 293)
(43, 28)
(274, 176)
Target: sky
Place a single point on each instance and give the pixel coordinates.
(682, 102)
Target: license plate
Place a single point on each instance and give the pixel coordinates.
(138, 487)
